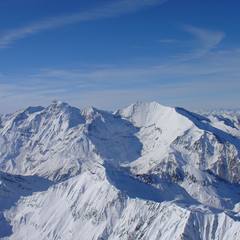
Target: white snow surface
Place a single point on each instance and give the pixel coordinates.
(146, 171)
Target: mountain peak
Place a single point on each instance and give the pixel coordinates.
(145, 113)
(58, 105)
(153, 105)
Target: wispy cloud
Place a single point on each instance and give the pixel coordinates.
(113, 9)
(208, 39)
(168, 41)
(212, 81)
(173, 82)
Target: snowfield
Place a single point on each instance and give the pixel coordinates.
(143, 172)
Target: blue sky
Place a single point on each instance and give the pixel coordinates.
(112, 53)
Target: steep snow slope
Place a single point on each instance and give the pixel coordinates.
(228, 120)
(54, 142)
(87, 207)
(12, 188)
(144, 172)
(176, 137)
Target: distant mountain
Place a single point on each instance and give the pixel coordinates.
(146, 171)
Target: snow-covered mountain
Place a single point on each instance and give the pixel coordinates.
(143, 172)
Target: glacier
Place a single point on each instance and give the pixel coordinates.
(146, 171)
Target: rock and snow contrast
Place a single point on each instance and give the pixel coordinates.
(143, 172)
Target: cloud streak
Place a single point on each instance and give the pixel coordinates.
(208, 39)
(211, 81)
(110, 10)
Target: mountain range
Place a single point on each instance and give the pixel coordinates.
(146, 171)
